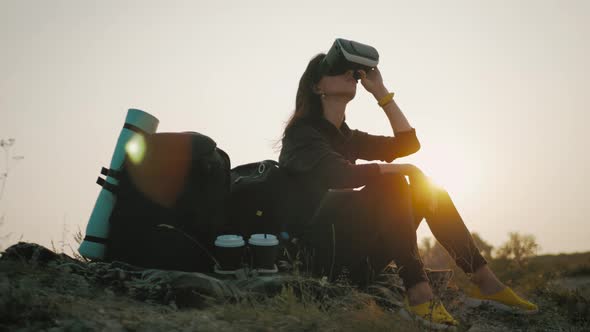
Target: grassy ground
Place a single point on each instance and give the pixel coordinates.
(50, 297)
(35, 298)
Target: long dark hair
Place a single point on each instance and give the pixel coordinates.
(308, 104)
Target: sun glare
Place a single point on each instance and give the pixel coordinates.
(454, 171)
(135, 149)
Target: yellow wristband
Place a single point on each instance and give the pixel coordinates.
(386, 99)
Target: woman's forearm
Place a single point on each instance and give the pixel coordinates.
(396, 118)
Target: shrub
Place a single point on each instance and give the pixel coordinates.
(518, 249)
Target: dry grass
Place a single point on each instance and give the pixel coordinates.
(301, 309)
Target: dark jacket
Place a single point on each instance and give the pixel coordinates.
(317, 156)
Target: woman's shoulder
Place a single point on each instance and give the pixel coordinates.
(303, 146)
(303, 129)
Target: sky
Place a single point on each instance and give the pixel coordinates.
(496, 90)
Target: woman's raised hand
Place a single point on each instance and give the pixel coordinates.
(372, 81)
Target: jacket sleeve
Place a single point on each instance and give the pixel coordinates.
(386, 148)
(306, 151)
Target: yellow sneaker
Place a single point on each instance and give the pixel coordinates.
(431, 314)
(505, 299)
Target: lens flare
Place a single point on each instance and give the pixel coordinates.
(135, 149)
(431, 182)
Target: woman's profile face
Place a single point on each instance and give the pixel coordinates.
(344, 84)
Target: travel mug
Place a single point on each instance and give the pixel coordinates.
(229, 251)
(264, 249)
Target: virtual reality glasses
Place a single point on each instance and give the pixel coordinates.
(347, 54)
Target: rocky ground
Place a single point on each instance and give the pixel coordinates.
(42, 290)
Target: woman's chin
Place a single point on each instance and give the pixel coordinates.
(346, 92)
(352, 91)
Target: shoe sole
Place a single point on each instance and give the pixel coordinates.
(431, 325)
(474, 303)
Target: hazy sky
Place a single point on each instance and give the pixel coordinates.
(495, 89)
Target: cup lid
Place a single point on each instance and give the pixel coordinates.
(229, 241)
(263, 240)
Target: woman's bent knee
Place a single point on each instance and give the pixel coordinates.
(390, 182)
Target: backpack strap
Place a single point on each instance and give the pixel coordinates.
(96, 239)
(135, 129)
(111, 172)
(107, 185)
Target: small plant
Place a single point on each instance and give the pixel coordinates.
(78, 238)
(5, 237)
(6, 145)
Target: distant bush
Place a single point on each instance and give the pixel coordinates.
(435, 255)
(511, 262)
(578, 271)
(484, 247)
(518, 249)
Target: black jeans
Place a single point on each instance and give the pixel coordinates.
(363, 231)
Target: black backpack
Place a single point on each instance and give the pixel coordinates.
(178, 236)
(259, 192)
(260, 195)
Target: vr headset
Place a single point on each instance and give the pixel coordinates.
(347, 54)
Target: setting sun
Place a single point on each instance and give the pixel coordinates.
(454, 168)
